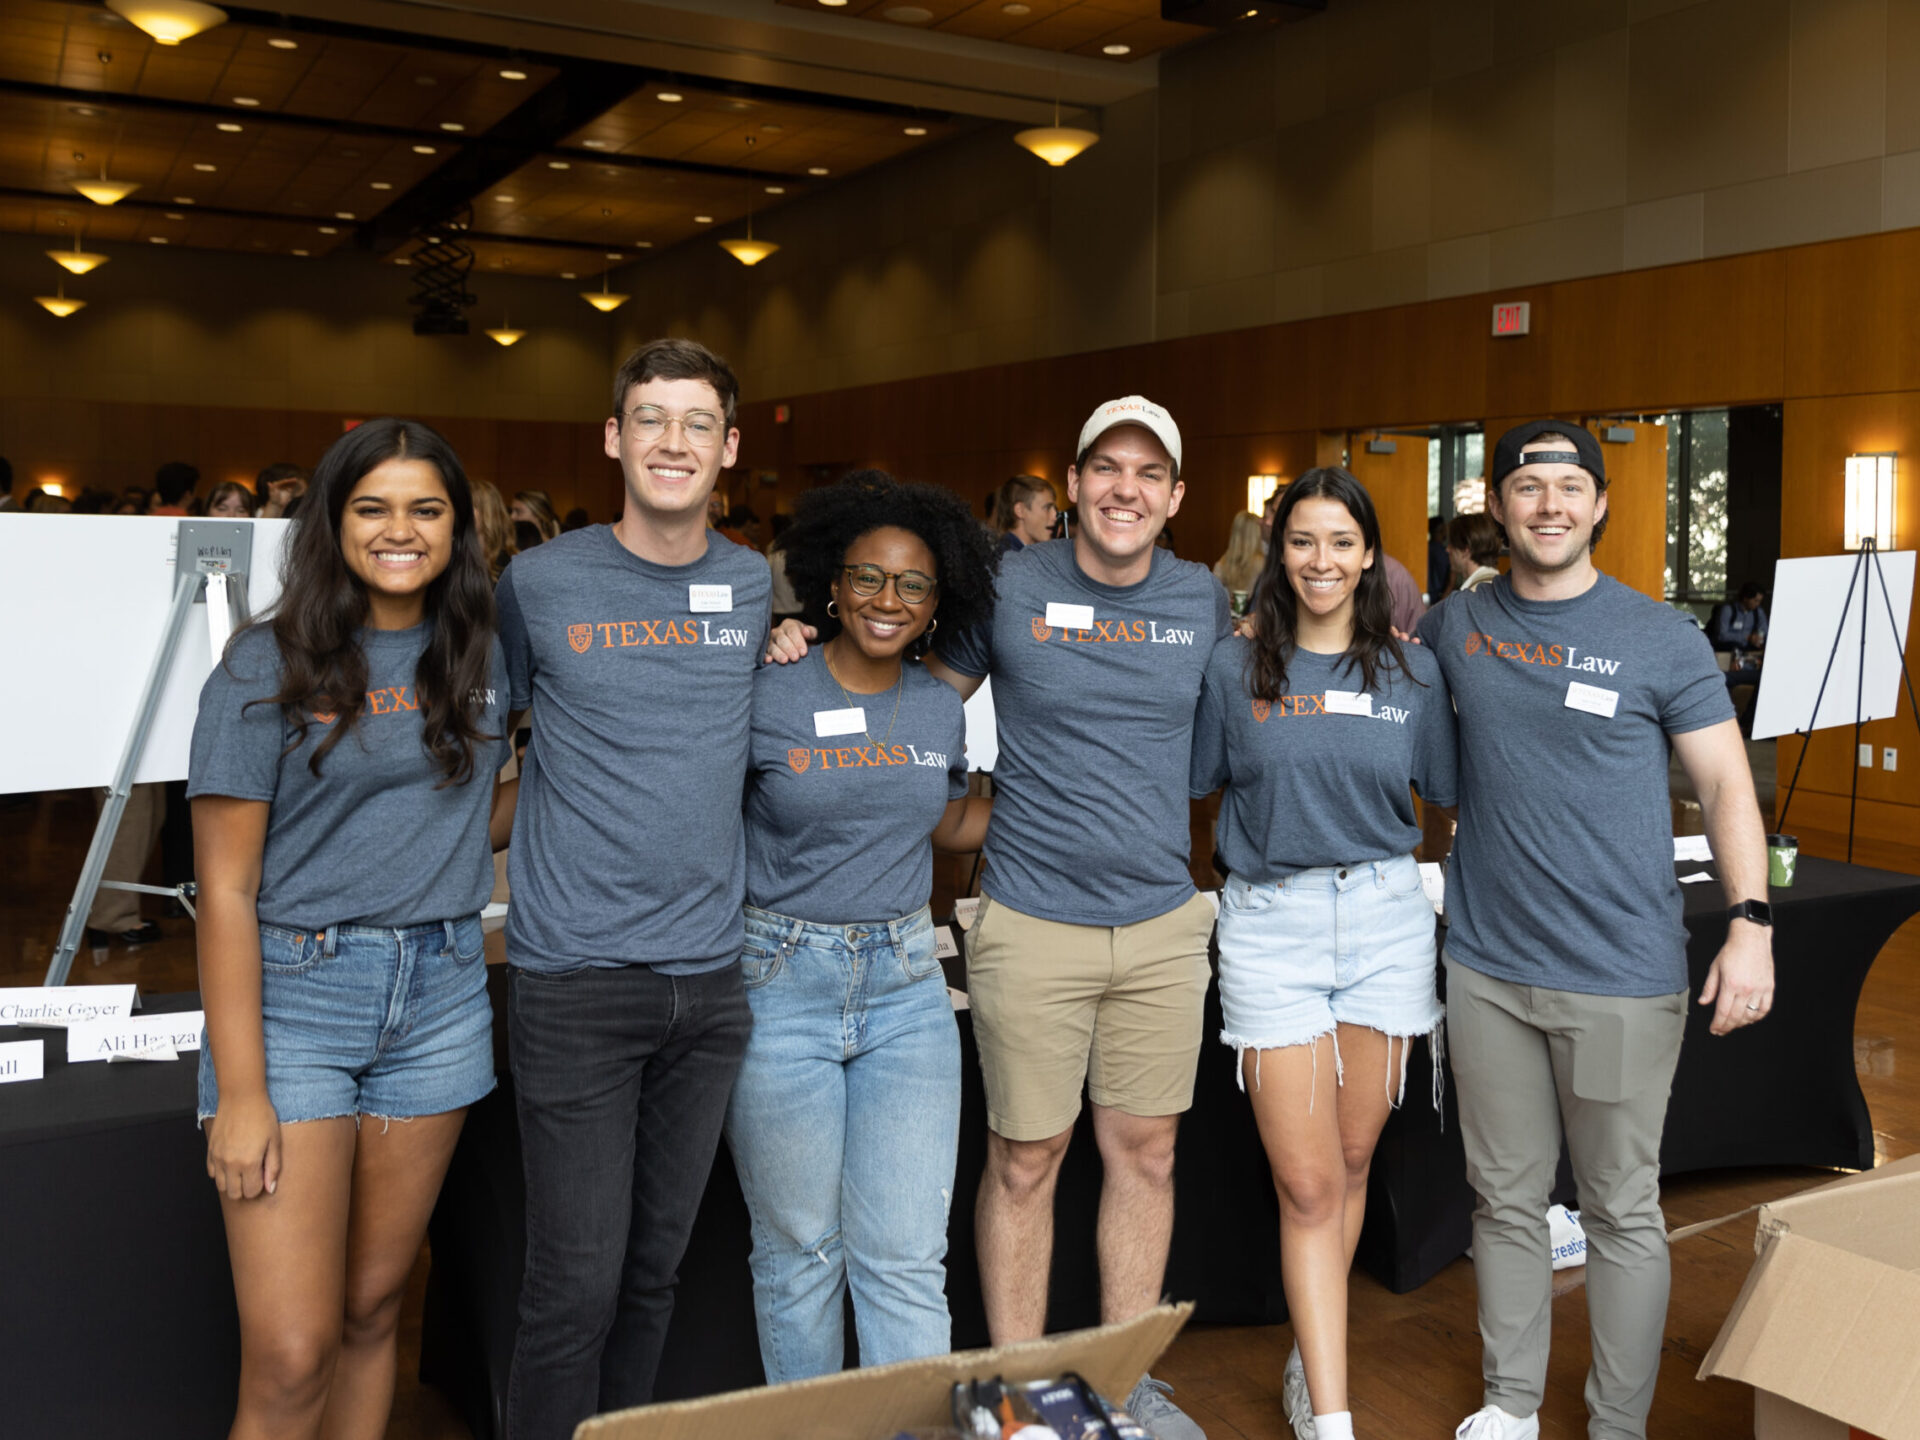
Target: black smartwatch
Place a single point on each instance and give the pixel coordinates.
(1758, 911)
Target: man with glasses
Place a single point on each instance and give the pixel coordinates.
(634, 645)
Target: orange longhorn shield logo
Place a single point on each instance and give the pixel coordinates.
(1261, 710)
(799, 760)
(580, 637)
(1042, 631)
(1473, 643)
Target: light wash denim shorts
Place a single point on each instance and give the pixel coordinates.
(1335, 945)
(366, 1021)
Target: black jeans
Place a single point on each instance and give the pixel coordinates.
(622, 1080)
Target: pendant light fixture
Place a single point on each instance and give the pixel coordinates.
(505, 335)
(58, 303)
(604, 300)
(76, 260)
(169, 21)
(749, 251)
(1056, 143)
(104, 191)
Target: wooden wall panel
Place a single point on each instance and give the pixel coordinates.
(1850, 316)
(1398, 485)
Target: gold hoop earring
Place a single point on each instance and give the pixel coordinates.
(831, 611)
(932, 625)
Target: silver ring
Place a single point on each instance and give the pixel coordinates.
(1753, 1007)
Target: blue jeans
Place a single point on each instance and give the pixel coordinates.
(844, 1126)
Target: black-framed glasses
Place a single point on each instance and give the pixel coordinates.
(910, 585)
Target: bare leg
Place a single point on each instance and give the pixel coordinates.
(1136, 1209)
(1013, 1231)
(397, 1170)
(289, 1259)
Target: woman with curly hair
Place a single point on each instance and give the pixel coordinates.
(844, 1122)
(344, 816)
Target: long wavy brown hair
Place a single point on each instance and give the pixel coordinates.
(323, 607)
(1275, 607)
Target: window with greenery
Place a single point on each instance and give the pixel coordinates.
(1696, 505)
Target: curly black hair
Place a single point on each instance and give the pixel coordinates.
(828, 520)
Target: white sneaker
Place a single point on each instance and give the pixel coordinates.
(1158, 1415)
(1490, 1422)
(1293, 1394)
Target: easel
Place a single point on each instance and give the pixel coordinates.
(1866, 567)
(208, 555)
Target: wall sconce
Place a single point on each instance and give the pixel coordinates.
(1870, 482)
(1260, 489)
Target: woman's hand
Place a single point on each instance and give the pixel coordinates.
(243, 1147)
(788, 642)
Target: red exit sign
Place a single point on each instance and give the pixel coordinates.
(1513, 318)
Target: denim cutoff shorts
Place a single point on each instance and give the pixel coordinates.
(1335, 945)
(360, 1020)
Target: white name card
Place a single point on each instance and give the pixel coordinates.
(66, 1004)
(710, 599)
(1691, 847)
(104, 1039)
(1349, 702)
(1070, 617)
(840, 722)
(943, 945)
(966, 911)
(1433, 884)
(22, 1060)
(1593, 699)
(1213, 899)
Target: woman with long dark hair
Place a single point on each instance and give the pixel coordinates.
(342, 782)
(1317, 724)
(845, 1119)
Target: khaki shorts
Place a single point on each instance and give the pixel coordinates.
(1115, 1009)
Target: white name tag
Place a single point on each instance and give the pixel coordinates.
(1070, 617)
(1433, 884)
(840, 722)
(104, 1039)
(966, 911)
(1349, 702)
(22, 1060)
(66, 1004)
(943, 945)
(1592, 699)
(710, 599)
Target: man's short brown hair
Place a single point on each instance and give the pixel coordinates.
(676, 360)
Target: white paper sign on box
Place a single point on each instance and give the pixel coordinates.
(66, 1004)
(103, 1039)
(22, 1060)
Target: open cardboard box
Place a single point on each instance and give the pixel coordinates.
(1827, 1327)
(876, 1404)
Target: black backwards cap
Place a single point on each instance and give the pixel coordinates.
(1585, 452)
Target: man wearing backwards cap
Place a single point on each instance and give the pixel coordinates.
(1566, 954)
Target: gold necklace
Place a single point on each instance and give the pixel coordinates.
(898, 686)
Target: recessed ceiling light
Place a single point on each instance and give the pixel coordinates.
(596, 144)
(175, 214)
(817, 170)
(908, 14)
(611, 255)
(914, 130)
(300, 252)
(513, 74)
(245, 100)
(158, 239)
(643, 244)
(380, 185)
(203, 166)
(558, 165)
(703, 219)
(328, 230)
(84, 110)
(453, 125)
(343, 215)
(425, 150)
(833, 4)
(403, 260)
(183, 200)
(280, 42)
(670, 97)
(1116, 49)
(1016, 8)
(568, 275)
(776, 189)
(504, 199)
(230, 127)
(771, 129)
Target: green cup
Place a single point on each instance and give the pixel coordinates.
(1783, 855)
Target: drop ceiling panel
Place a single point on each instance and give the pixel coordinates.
(1082, 26)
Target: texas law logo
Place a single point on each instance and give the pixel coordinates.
(1114, 632)
(1292, 705)
(855, 757)
(1536, 652)
(627, 634)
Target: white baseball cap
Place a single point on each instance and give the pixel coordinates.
(1132, 410)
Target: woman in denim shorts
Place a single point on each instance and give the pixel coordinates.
(844, 1122)
(1317, 723)
(343, 795)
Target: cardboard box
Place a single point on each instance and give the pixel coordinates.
(1827, 1327)
(875, 1404)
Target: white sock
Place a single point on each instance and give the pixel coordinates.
(1337, 1426)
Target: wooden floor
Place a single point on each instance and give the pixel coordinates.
(1415, 1358)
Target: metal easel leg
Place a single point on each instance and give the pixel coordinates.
(185, 588)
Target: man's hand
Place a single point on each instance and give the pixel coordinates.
(1740, 981)
(788, 642)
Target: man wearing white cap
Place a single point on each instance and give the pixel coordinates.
(1087, 964)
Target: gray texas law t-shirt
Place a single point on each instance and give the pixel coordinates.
(839, 826)
(627, 845)
(375, 838)
(1090, 820)
(1562, 872)
(1310, 781)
